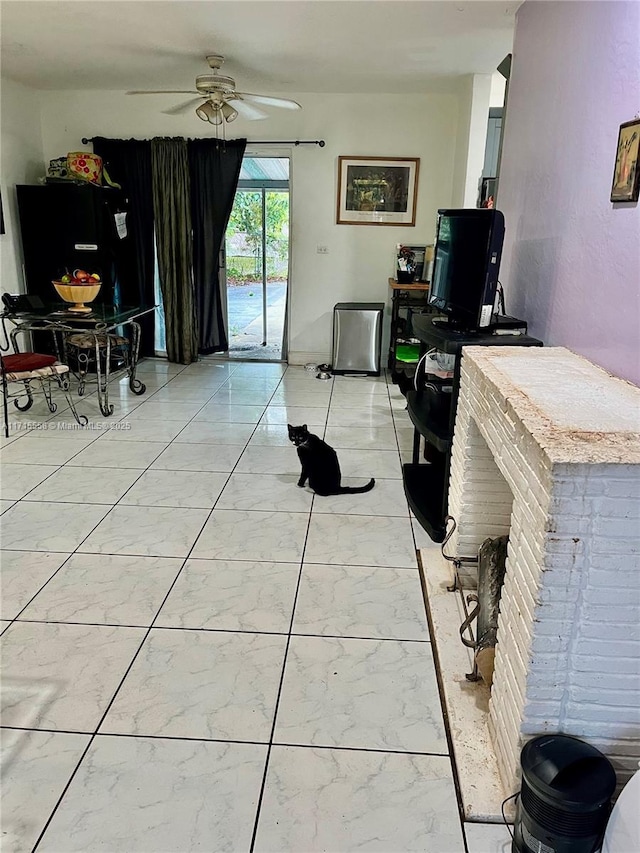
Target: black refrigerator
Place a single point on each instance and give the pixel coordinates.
(68, 226)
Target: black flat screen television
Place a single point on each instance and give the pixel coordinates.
(466, 263)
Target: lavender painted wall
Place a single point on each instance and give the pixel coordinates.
(571, 264)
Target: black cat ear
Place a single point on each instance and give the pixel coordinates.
(304, 427)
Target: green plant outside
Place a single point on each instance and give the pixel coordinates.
(246, 220)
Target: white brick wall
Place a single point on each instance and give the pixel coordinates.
(568, 654)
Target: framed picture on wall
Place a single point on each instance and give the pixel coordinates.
(626, 175)
(377, 190)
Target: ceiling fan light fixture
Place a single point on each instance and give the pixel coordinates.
(216, 116)
(205, 111)
(228, 112)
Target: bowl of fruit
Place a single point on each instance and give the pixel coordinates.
(78, 288)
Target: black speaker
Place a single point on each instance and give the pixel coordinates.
(565, 799)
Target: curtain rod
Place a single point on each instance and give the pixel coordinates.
(320, 142)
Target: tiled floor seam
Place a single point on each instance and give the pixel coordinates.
(443, 707)
(188, 471)
(98, 437)
(110, 703)
(451, 754)
(284, 661)
(291, 633)
(102, 718)
(143, 736)
(15, 618)
(90, 397)
(142, 472)
(75, 550)
(108, 707)
(221, 630)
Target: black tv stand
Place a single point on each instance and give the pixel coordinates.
(502, 321)
(499, 321)
(426, 484)
(444, 322)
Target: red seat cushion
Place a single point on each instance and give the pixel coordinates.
(24, 361)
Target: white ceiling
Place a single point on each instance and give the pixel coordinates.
(291, 45)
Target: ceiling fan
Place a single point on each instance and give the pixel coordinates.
(218, 100)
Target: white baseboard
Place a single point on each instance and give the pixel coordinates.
(298, 357)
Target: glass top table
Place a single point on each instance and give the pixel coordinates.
(92, 337)
(104, 315)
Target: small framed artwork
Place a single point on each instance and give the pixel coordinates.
(377, 190)
(626, 175)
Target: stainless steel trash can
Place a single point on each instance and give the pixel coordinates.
(357, 337)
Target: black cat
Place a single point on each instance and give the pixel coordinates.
(320, 464)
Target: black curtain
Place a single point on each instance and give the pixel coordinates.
(128, 163)
(172, 212)
(214, 167)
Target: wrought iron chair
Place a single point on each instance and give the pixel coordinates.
(24, 368)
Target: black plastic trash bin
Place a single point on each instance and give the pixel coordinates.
(565, 799)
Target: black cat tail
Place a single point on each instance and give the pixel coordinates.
(347, 490)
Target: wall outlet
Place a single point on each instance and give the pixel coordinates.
(322, 250)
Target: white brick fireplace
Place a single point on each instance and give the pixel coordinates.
(547, 449)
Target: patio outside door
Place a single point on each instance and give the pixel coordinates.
(256, 261)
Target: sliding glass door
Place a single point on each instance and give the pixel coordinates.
(257, 261)
(254, 264)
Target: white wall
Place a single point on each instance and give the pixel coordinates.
(498, 87)
(471, 139)
(571, 265)
(21, 161)
(465, 103)
(360, 258)
(477, 137)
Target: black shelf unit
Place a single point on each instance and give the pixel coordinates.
(426, 484)
(423, 485)
(407, 300)
(433, 426)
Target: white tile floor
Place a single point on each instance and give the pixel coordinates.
(198, 655)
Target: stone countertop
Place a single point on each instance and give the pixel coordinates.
(576, 412)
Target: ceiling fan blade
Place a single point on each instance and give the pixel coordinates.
(268, 101)
(184, 107)
(163, 92)
(246, 111)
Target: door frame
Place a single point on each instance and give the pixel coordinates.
(266, 185)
